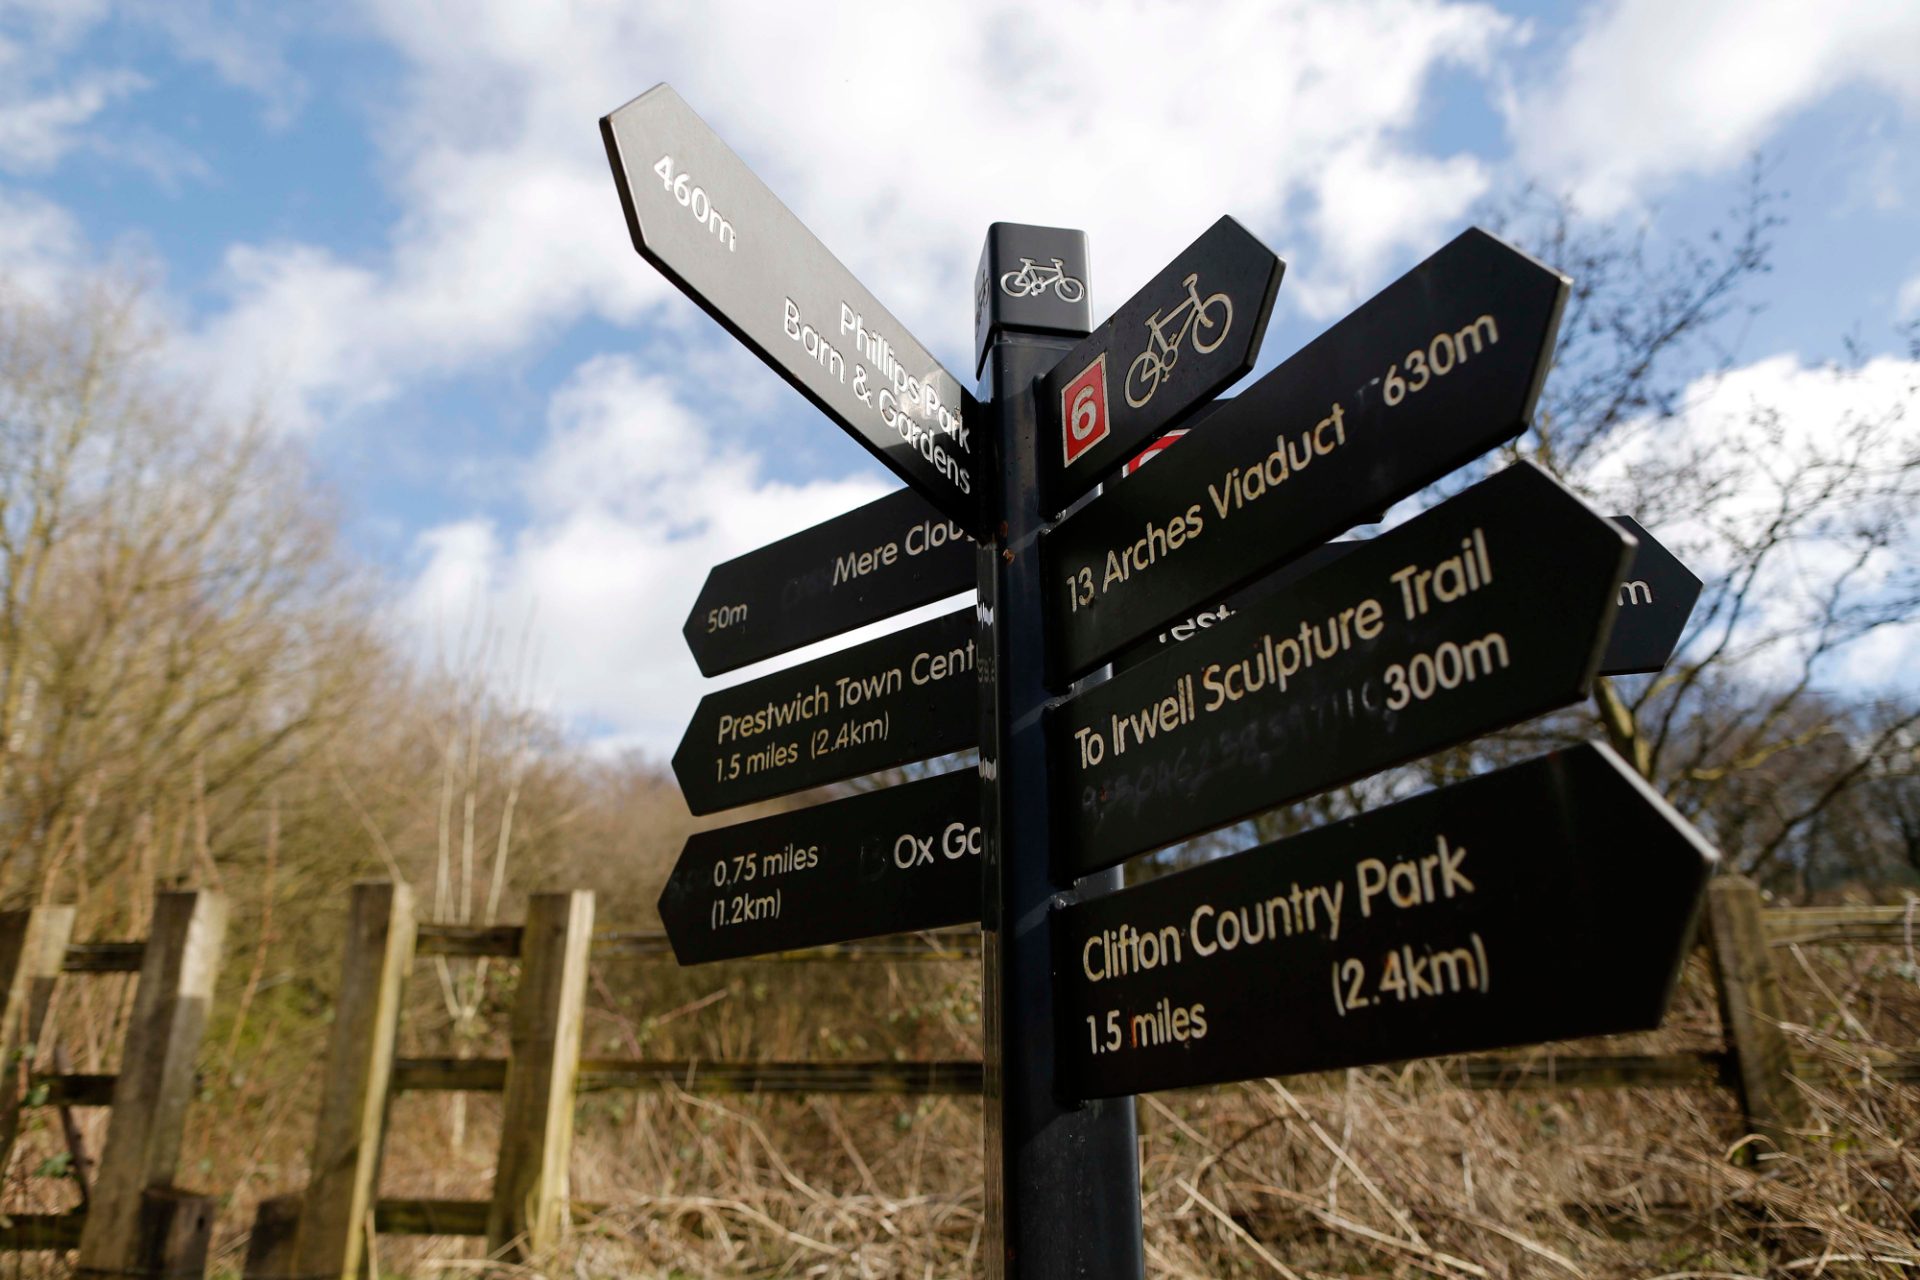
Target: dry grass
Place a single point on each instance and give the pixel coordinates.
(1377, 1172)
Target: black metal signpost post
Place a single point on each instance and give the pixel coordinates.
(1441, 924)
(1063, 1184)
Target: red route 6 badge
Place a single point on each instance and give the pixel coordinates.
(1083, 410)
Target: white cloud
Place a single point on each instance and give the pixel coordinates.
(896, 137)
(246, 49)
(1651, 90)
(630, 503)
(40, 243)
(52, 23)
(1908, 306)
(1829, 448)
(38, 129)
(1373, 204)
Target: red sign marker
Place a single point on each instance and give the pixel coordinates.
(1083, 410)
(1140, 459)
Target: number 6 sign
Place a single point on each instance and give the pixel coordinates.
(1083, 410)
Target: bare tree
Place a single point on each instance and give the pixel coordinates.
(177, 624)
(1803, 531)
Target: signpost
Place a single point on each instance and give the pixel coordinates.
(1063, 1181)
(1439, 367)
(1656, 600)
(1549, 900)
(699, 215)
(906, 696)
(893, 554)
(906, 857)
(1453, 625)
(1193, 331)
(1266, 588)
(1483, 914)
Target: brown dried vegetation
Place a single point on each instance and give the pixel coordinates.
(194, 688)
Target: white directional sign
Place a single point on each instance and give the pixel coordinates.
(701, 216)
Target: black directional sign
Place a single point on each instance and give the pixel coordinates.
(893, 554)
(1192, 332)
(1482, 612)
(701, 216)
(1253, 593)
(1435, 370)
(1656, 600)
(904, 858)
(902, 697)
(1546, 901)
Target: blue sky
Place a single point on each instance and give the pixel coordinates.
(394, 222)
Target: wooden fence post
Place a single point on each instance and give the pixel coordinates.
(275, 1236)
(150, 1096)
(33, 944)
(176, 1233)
(330, 1240)
(1752, 1010)
(322, 1231)
(536, 1115)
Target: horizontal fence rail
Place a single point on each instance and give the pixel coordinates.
(489, 1075)
(105, 957)
(387, 941)
(1785, 926)
(32, 1231)
(419, 1217)
(1886, 926)
(962, 1077)
(504, 940)
(70, 1089)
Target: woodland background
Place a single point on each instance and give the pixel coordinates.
(200, 685)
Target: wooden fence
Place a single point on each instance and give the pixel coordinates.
(324, 1230)
(132, 1221)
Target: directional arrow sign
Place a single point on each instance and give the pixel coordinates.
(1482, 612)
(1655, 602)
(1656, 599)
(893, 554)
(887, 861)
(1193, 331)
(902, 697)
(701, 216)
(1435, 370)
(1266, 588)
(1549, 900)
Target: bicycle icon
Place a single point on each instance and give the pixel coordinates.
(1032, 280)
(1215, 315)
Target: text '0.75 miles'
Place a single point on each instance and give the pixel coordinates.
(1439, 356)
(694, 200)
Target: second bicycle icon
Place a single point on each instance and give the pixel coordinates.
(1207, 319)
(1032, 280)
